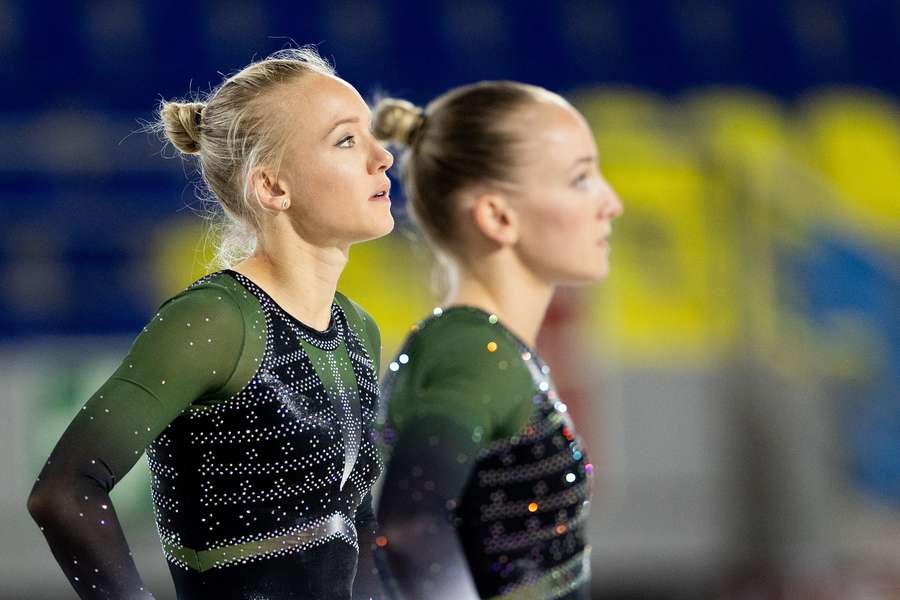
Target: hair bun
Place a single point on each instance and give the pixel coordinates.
(397, 121)
(181, 121)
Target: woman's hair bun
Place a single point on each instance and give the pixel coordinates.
(397, 121)
(181, 123)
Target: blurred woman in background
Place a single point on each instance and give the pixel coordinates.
(487, 488)
(254, 391)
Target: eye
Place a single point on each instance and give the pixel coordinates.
(581, 181)
(347, 141)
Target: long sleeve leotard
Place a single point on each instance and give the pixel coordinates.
(487, 486)
(258, 431)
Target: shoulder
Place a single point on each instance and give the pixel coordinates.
(359, 318)
(361, 313)
(197, 341)
(464, 348)
(361, 321)
(461, 365)
(217, 284)
(466, 335)
(216, 290)
(214, 298)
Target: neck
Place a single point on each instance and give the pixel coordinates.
(300, 277)
(498, 283)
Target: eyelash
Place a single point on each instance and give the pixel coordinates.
(580, 179)
(347, 138)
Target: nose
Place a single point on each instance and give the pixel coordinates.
(381, 159)
(611, 206)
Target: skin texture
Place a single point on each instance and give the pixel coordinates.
(313, 208)
(564, 206)
(517, 242)
(547, 228)
(319, 202)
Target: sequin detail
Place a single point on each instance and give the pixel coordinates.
(522, 518)
(559, 581)
(281, 465)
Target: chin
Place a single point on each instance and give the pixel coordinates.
(388, 225)
(377, 228)
(602, 271)
(586, 277)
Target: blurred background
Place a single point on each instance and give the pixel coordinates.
(735, 378)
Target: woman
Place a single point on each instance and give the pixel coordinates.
(486, 491)
(255, 389)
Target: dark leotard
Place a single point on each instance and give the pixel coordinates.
(486, 477)
(258, 434)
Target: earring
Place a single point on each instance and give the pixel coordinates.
(285, 204)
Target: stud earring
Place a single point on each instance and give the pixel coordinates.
(284, 205)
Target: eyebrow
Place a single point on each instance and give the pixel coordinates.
(584, 159)
(339, 123)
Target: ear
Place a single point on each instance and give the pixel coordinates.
(271, 193)
(495, 218)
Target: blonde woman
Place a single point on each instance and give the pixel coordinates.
(487, 488)
(254, 390)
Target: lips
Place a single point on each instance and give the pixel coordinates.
(383, 193)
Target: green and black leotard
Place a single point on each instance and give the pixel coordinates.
(486, 474)
(258, 431)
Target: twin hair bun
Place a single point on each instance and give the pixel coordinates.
(395, 121)
(181, 123)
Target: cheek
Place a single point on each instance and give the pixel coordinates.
(324, 179)
(559, 219)
(328, 189)
(560, 237)
(334, 194)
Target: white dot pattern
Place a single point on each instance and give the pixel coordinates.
(262, 472)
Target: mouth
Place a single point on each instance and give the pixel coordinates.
(383, 193)
(604, 241)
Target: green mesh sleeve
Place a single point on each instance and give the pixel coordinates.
(189, 352)
(458, 384)
(466, 370)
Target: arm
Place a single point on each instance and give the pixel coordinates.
(429, 468)
(454, 396)
(70, 500)
(162, 374)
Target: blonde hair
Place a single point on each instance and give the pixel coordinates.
(232, 130)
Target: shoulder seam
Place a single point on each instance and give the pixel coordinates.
(204, 286)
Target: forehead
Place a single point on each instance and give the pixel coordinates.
(315, 101)
(553, 130)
